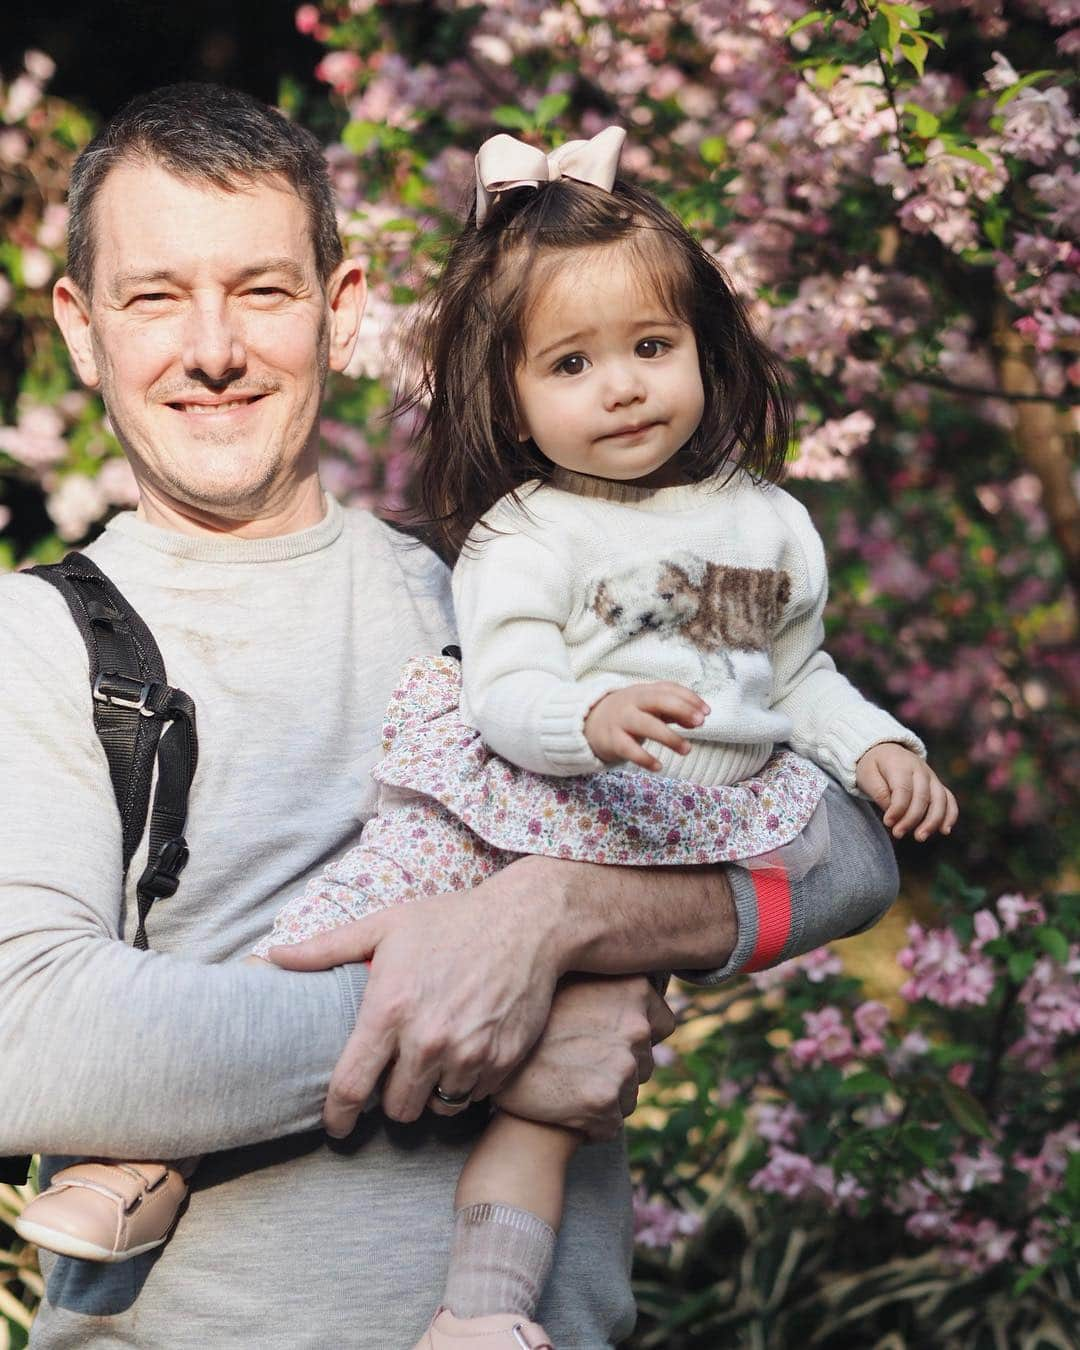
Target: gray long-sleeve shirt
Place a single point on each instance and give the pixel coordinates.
(289, 647)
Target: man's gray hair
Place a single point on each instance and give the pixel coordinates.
(203, 133)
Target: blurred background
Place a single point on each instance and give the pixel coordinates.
(878, 1145)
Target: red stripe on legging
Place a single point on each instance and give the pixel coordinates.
(774, 916)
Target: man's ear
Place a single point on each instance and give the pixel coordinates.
(346, 294)
(71, 309)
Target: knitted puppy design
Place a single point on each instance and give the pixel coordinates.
(714, 607)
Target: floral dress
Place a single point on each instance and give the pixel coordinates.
(451, 814)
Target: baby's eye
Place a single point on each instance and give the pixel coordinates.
(667, 595)
(571, 365)
(651, 347)
(616, 611)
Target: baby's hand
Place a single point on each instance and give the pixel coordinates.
(907, 790)
(621, 720)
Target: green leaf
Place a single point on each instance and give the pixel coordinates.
(826, 75)
(914, 48)
(815, 16)
(360, 136)
(970, 153)
(880, 34)
(515, 118)
(920, 1143)
(1029, 1277)
(1072, 1178)
(1054, 942)
(713, 149)
(926, 124)
(1020, 965)
(1009, 94)
(550, 107)
(966, 1110)
(866, 1081)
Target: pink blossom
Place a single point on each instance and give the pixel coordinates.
(1001, 74)
(1051, 997)
(1013, 908)
(824, 453)
(871, 1019)
(13, 145)
(658, 1223)
(23, 96)
(827, 1040)
(943, 971)
(817, 966)
(976, 1246)
(1038, 124)
(983, 1168)
(987, 928)
(1061, 191)
(793, 1175)
(1045, 1170)
(39, 66)
(1039, 1245)
(74, 505)
(727, 1093)
(37, 268)
(928, 1216)
(37, 440)
(777, 1122)
(308, 19)
(960, 1074)
(117, 482)
(340, 70)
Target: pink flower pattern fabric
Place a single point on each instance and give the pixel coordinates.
(451, 813)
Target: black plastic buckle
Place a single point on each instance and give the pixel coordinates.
(120, 691)
(162, 875)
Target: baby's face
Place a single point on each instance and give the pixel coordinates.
(610, 383)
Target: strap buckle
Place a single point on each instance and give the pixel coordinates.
(120, 691)
(162, 875)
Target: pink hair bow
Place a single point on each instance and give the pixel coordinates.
(504, 162)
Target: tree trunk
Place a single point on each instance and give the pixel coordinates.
(1042, 438)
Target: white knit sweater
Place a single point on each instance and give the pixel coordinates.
(591, 585)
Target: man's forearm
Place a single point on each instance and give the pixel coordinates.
(710, 923)
(123, 1053)
(620, 920)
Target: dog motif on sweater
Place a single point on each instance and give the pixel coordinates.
(715, 608)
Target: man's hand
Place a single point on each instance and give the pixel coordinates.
(595, 1052)
(618, 723)
(907, 790)
(458, 990)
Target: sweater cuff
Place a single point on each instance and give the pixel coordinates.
(562, 725)
(763, 913)
(849, 737)
(352, 981)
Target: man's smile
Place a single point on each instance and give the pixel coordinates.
(205, 405)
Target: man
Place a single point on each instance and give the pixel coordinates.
(207, 298)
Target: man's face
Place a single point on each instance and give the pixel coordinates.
(209, 335)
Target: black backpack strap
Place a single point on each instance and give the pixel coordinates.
(140, 720)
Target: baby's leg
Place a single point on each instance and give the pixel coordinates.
(413, 847)
(508, 1208)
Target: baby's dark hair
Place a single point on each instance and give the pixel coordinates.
(470, 342)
